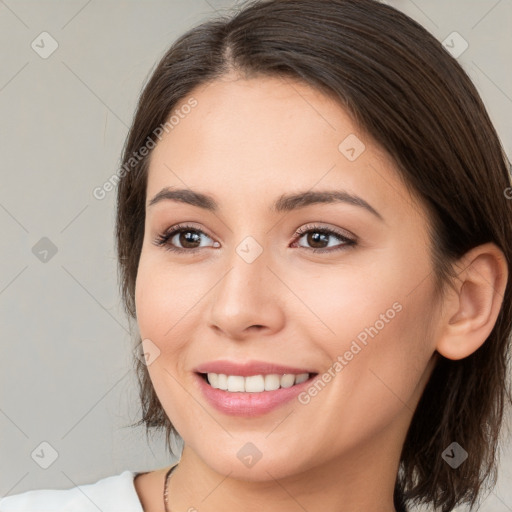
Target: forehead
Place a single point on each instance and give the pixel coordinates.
(254, 139)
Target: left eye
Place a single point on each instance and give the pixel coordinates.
(319, 235)
(189, 236)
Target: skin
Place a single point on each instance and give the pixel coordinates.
(247, 142)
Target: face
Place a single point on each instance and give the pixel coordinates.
(339, 289)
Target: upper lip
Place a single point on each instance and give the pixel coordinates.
(246, 368)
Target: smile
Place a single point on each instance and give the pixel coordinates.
(251, 395)
(254, 383)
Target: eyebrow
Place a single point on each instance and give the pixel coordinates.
(284, 203)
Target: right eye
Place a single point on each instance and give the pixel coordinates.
(183, 234)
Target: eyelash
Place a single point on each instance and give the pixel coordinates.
(163, 239)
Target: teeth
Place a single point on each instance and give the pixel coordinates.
(287, 380)
(301, 378)
(255, 383)
(272, 382)
(222, 381)
(236, 383)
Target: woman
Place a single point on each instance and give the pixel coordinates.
(313, 233)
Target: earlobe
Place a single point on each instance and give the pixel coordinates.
(472, 307)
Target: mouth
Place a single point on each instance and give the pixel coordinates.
(254, 383)
(250, 388)
(253, 395)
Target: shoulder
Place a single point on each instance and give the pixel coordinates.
(111, 494)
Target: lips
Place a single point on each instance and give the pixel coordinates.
(246, 403)
(249, 368)
(249, 404)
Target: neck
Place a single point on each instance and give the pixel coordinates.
(360, 480)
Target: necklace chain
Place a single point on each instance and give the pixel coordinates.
(166, 487)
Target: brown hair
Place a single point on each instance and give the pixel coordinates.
(413, 98)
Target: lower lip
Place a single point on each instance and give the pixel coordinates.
(249, 404)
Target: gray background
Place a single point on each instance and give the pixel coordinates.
(66, 373)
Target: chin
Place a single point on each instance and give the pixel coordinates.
(242, 460)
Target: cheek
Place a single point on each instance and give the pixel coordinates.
(151, 302)
(164, 310)
(378, 318)
(164, 299)
(154, 321)
(377, 357)
(354, 302)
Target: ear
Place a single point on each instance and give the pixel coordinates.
(471, 308)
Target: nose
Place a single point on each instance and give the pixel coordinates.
(248, 299)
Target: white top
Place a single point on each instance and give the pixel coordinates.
(111, 494)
